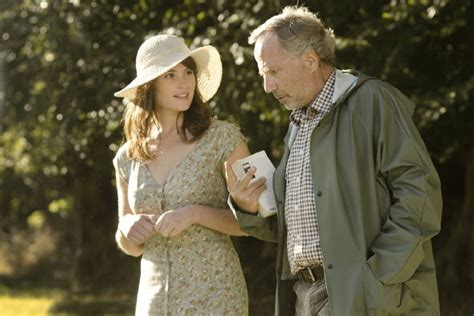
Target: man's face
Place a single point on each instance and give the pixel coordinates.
(288, 77)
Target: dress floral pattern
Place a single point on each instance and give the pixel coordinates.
(197, 272)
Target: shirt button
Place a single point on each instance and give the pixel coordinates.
(330, 266)
(319, 193)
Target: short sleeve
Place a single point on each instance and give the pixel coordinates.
(122, 164)
(228, 136)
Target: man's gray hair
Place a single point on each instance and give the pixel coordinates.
(298, 29)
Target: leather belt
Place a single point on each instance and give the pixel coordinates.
(311, 275)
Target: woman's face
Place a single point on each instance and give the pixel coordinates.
(174, 90)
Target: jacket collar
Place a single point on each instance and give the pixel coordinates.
(345, 81)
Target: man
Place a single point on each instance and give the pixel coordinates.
(358, 197)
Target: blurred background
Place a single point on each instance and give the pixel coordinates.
(61, 61)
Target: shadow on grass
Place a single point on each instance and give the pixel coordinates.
(90, 304)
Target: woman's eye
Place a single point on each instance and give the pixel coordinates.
(169, 75)
(190, 72)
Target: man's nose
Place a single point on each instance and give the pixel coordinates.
(269, 84)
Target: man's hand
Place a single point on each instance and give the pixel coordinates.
(137, 228)
(244, 193)
(174, 222)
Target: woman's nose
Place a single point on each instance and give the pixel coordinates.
(185, 81)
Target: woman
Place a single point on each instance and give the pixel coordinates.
(171, 190)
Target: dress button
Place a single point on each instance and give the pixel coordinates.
(330, 266)
(319, 193)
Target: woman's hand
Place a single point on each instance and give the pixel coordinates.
(137, 228)
(174, 222)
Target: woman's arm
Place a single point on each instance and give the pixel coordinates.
(133, 229)
(176, 221)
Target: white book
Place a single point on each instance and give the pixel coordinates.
(264, 168)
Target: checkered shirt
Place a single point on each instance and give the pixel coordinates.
(304, 249)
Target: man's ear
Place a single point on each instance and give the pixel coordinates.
(311, 59)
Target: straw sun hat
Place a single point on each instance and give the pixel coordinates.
(160, 53)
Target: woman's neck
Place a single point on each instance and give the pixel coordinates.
(170, 122)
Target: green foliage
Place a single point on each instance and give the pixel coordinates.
(61, 61)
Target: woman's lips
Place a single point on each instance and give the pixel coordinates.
(181, 95)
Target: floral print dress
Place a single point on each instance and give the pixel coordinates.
(197, 272)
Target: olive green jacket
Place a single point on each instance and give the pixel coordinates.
(378, 201)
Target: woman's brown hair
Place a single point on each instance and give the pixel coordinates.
(140, 117)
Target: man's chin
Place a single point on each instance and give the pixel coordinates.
(287, 104)
(290, 106)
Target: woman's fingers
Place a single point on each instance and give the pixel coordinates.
(137, 228)
(168, 231)
(159, 224)
(173, 222)
(164, 224)
(146, 225)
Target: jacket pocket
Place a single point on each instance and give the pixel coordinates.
(379, 296)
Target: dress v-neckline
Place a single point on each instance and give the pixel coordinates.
(173, 170)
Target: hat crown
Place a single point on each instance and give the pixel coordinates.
(160, 50)
(160, 53)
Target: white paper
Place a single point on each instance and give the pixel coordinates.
(264, 168)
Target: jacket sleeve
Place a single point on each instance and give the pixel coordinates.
(415, 212)
(264, 228)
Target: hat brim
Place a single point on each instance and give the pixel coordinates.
(209, 73)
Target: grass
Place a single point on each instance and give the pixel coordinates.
(52, 302)
(27, 302)
(92, 305)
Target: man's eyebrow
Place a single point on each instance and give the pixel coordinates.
(263, 70)
(266, 69)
